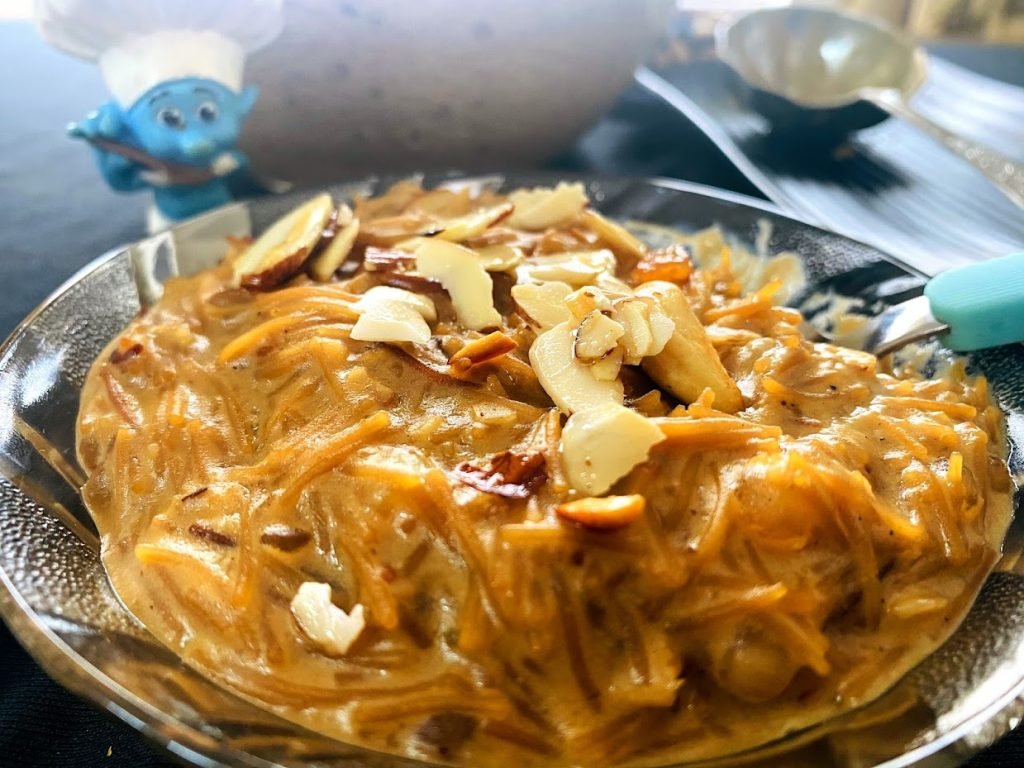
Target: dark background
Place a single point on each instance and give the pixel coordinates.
(56, 215)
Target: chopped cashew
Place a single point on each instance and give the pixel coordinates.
(568, 382)
(543, 207)
(461, 273)
(323, 622)
(688, 364)
(602, 444)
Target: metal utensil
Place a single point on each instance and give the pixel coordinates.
(973, 307)
(828, 73)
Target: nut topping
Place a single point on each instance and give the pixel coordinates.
(603, 444)
(568, 382)
(596, 337)
(482, 350)
(542, 305)
(282, 250)
(327, 625)
(542, 207)
(605, 514)
(461, 273)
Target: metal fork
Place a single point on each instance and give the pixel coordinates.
(973, 307)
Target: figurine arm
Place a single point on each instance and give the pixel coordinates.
(120, 173)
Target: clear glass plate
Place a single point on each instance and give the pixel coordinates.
(56, 599)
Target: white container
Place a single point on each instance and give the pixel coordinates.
(368, 86)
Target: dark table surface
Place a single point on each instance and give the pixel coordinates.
(56, 215)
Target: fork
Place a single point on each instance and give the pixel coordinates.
(971, 307)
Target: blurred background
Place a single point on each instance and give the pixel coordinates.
(356, 87)
(989, 20)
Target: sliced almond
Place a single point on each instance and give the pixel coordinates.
(461, 273)
(281, 251)
(600, 445)
(689, 363)
(596, 337)
(605, 514)
(393, 315)
(633, 315)
(444, 203)
(391, 321)
(482, 350)
(585, 300)
(327, 625)
(608, 367)
(559, 241)
(661, 324)
(612, 287)
(472, 224)
(379, 293)
(576, 268)
(614, 235)
(389, 259)
(396, 199)
(568, 382)
(542, 305)
(543, 207)
(386, 232)
(326, 263)
(500, 257)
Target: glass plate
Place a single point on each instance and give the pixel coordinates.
(56, 599)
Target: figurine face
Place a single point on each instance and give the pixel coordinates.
(189, 121)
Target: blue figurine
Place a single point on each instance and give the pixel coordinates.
(186, 131)
(174, 68)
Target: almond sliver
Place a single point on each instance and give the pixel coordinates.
(281, 251)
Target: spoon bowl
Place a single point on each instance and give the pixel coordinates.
(819, 75)
(809, 68)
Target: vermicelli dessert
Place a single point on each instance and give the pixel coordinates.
(485, 479)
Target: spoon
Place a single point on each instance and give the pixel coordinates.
(973, 307)
(828, 73)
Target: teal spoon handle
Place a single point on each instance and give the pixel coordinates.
(983, 303)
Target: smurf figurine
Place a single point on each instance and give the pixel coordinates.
(174, 68)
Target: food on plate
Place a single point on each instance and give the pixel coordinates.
(486, 479)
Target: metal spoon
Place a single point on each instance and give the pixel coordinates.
(831, 73)
(973, 307)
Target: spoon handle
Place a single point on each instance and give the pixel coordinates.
(1006, 174)
(983, 303)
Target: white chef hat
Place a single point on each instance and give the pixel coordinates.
(140, 43)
